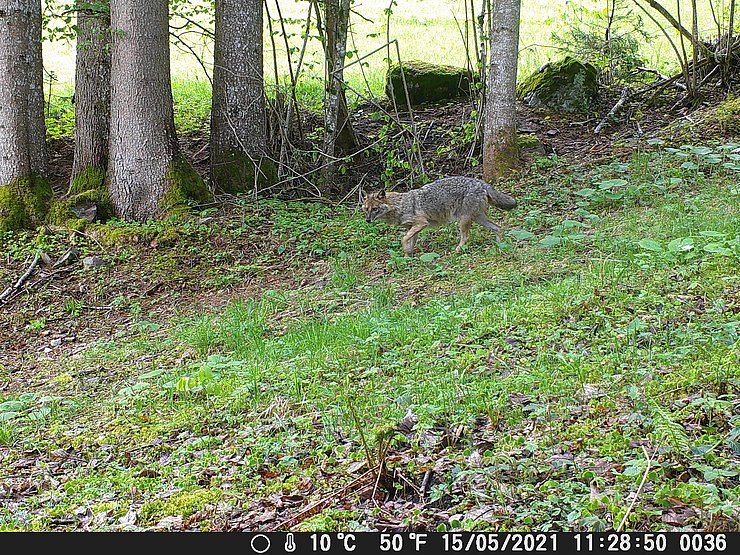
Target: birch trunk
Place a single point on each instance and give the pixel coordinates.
(500, 150)
(339, 137)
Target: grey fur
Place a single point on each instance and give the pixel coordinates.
(452, 199)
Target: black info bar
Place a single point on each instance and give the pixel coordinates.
(371, 543)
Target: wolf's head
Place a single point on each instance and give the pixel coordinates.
(375, 205)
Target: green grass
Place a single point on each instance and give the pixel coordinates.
(571, 360)
(426, 30)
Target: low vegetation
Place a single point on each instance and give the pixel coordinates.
(281, 365)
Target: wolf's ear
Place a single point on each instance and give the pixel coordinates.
(381, 194)
(363, 195)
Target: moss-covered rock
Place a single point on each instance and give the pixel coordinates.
(186, 186)
(727, 116)
(529, 141)
(234, 172)
(718, 122)
(24, 202)
(427, 82)
(86, 201)
(565, 86)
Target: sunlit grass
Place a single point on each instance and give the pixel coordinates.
(594, 347)
(428, 30)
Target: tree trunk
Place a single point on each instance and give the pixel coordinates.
(92, 99)
(500, 150)
(238, 120)
(24, 187)
(339, 137)
(147, 175)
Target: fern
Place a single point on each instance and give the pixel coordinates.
(667, 429)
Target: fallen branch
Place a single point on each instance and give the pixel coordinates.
(21, 280)
(665, 78)
(639, 489)
(360, 483)
(613, 111)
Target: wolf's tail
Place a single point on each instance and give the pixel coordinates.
(502, 200)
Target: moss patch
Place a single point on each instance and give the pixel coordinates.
(234, 172)
(87, 190)
(13, 213)
(24, 202)
(719, 122)
(566, 86)
(186, 186)
(181, 504)
(168, 237)
(427, 82)
(727, 116)
(528, 141)
(110, 236)
(91, 178)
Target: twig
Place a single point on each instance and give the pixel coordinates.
(661, 76)
(361, 482)
(639, 489)
(425, 482)
(613, 111)
(21, 280)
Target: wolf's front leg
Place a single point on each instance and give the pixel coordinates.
(409, 239)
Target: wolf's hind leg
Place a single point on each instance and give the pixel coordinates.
(488, 224)
(465, 224)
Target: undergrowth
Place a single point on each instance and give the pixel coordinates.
(548, 376)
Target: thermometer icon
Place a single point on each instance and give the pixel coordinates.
(289, 542)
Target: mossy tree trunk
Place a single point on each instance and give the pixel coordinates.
(239, 160)
(24, 187)
(500, 150)
(92, 95)
(147, 175)
(339, 137)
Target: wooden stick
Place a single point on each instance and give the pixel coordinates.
(614, 109)
(361, 482)
(11, 288)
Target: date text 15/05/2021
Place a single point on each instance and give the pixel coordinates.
(513, 542)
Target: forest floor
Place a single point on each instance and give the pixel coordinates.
(277, 364)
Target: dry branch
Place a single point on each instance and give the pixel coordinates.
(623, 97)
(362, 482)
(21, 280)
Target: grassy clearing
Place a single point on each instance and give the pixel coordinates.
(427, 30)
(548, 373)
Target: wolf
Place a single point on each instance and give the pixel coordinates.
(451, 199)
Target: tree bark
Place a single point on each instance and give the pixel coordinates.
(24, 188)
(238, 120)
(147, 175)
(92, 98)
(339, 137)
(500, 149)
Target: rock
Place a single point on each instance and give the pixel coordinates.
(426, 82)
(530, 142)
(92, 262)
(86, 210)
(564, 86)
(67, 257)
